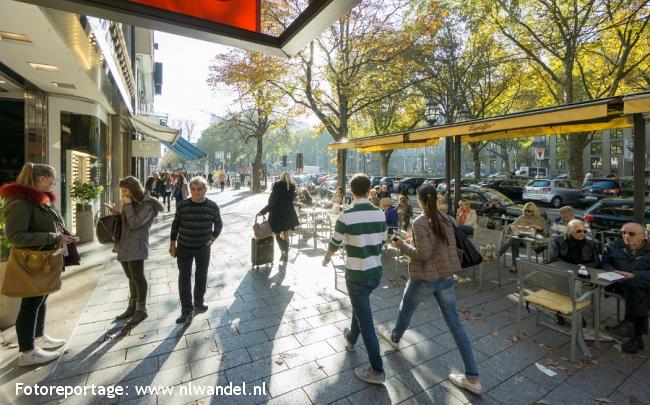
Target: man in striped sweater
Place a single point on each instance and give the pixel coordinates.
(197, 224)
(362, 229)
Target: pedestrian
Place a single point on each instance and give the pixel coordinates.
(32, 222)
(181, 189)
(197, 224)
(384, 193)
(139, 209)
(222, 180)
(282, 215)
(228, 180)
(433, 261)
(587, 177)
(167, 188)
(210, 180)
(242, 176)
(405, 211)
(362, 229)
(630, 257)
(154, 185)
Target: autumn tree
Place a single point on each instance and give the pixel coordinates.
(258, 110)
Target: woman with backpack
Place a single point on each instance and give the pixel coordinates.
(138, 212)
(433, 261)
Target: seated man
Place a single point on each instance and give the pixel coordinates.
(630, 258)
(566, 215)
(493, 210)
(574, 246)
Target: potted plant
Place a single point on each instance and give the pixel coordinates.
(84, 194)
(9, 306)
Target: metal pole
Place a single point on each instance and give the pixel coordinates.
(639, 168)
(448, 157)
(457, 172)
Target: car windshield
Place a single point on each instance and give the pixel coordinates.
(600, 184)
(540, 183)
(505, 201)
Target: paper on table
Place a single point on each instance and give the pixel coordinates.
(610, 276)
(545, 370)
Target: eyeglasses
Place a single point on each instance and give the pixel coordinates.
(631, 234)
(579, 231)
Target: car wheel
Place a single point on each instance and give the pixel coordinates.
(411, 191)
(556, 202)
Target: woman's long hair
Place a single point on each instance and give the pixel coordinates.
(286, 177)
(30, 173)
(428, 198)
(135, 188)
(534, 207)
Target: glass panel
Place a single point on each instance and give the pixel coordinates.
(596, 163)
(596, 148)
(616, 147)
(613, 163)
(35, 127)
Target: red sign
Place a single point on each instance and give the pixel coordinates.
(244, 14)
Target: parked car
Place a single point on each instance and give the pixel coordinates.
(552, 191)
(531, 172)
(479, 196)
(442, 187)
(597, 189)
(514, 188)
(434, 181)
(612, 213)
(410, 184)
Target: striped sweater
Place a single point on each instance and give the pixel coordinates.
(362, 229)
(195, 223)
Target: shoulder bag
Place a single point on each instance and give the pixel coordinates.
(262, 230)
(109, 229)
(33, 273)
(467, 253)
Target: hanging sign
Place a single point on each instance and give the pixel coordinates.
(539, 153)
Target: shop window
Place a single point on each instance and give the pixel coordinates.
(616, 134)
(597, 136)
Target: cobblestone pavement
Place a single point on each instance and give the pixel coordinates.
(280, 329)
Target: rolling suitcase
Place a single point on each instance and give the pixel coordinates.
(262, 251)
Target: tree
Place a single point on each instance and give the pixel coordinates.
(564, 44)
(186, 126)
(372, 34)
(257, 113)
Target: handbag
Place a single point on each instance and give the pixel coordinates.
(109, 229)
(467, 253)
(262, 230)
(33, 273)
(72, 259)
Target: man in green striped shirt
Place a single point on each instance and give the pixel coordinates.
(362, 229)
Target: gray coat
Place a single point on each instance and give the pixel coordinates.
(136, 221)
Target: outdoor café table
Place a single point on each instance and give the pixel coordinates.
(314, 213)
(594, 282)
(531, 241)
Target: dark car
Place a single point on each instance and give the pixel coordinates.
(434, 181)
(442, 187)
(410, 184)
(612, 213)
(375, 181)
(513, 188)
(477, 197)
(596, 189)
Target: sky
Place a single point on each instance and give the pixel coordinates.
(185, 93)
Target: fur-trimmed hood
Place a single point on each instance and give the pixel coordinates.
(158, 206)
(16, 190)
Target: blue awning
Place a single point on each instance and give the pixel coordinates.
(184, 149)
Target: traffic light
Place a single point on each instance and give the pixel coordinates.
(284, 160)
(299, 163)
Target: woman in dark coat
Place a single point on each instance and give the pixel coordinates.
(282, 216)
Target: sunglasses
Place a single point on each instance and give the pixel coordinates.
(529, 211)
(631, 234)
(579, 231)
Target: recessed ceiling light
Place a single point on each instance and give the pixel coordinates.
(2, 81)
(12, 36)
(64, 85)
(44, 67)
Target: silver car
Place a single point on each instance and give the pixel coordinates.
(557, 192)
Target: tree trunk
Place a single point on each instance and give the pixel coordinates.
(384, 158)
(475, 147)
(257, 166)
(341, 159)
(576, 144)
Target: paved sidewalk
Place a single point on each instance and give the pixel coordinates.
(280, 329)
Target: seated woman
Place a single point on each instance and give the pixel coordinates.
(336, 199)
(304, 198)
(466, 218)
(531, 219)
(575, 248)
(392, 218)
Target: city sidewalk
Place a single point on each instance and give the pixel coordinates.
(278, 330)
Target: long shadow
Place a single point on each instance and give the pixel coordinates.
(239, 197)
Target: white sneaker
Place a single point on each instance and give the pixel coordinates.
(461, 381)
(369, 375)
(37, 356)
(348, 346)
(386, 333)
(48, 342)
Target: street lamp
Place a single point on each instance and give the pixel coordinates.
(431, 112)
(463, 115)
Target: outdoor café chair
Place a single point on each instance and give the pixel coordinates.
(483, 237)
(553, 291)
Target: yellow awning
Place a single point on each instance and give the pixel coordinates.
(636, 104)
(393, 146)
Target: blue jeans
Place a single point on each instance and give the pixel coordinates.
(359, 293)
(443, 290)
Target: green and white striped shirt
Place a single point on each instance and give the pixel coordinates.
(362, 229)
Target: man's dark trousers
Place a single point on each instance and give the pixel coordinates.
(185, 258)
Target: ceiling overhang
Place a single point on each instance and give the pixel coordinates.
(319, 15)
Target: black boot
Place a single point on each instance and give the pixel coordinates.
(140, 314)
(632, 345)
(186, 317)
(130, 311)
(284, 248)
(623, 329)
